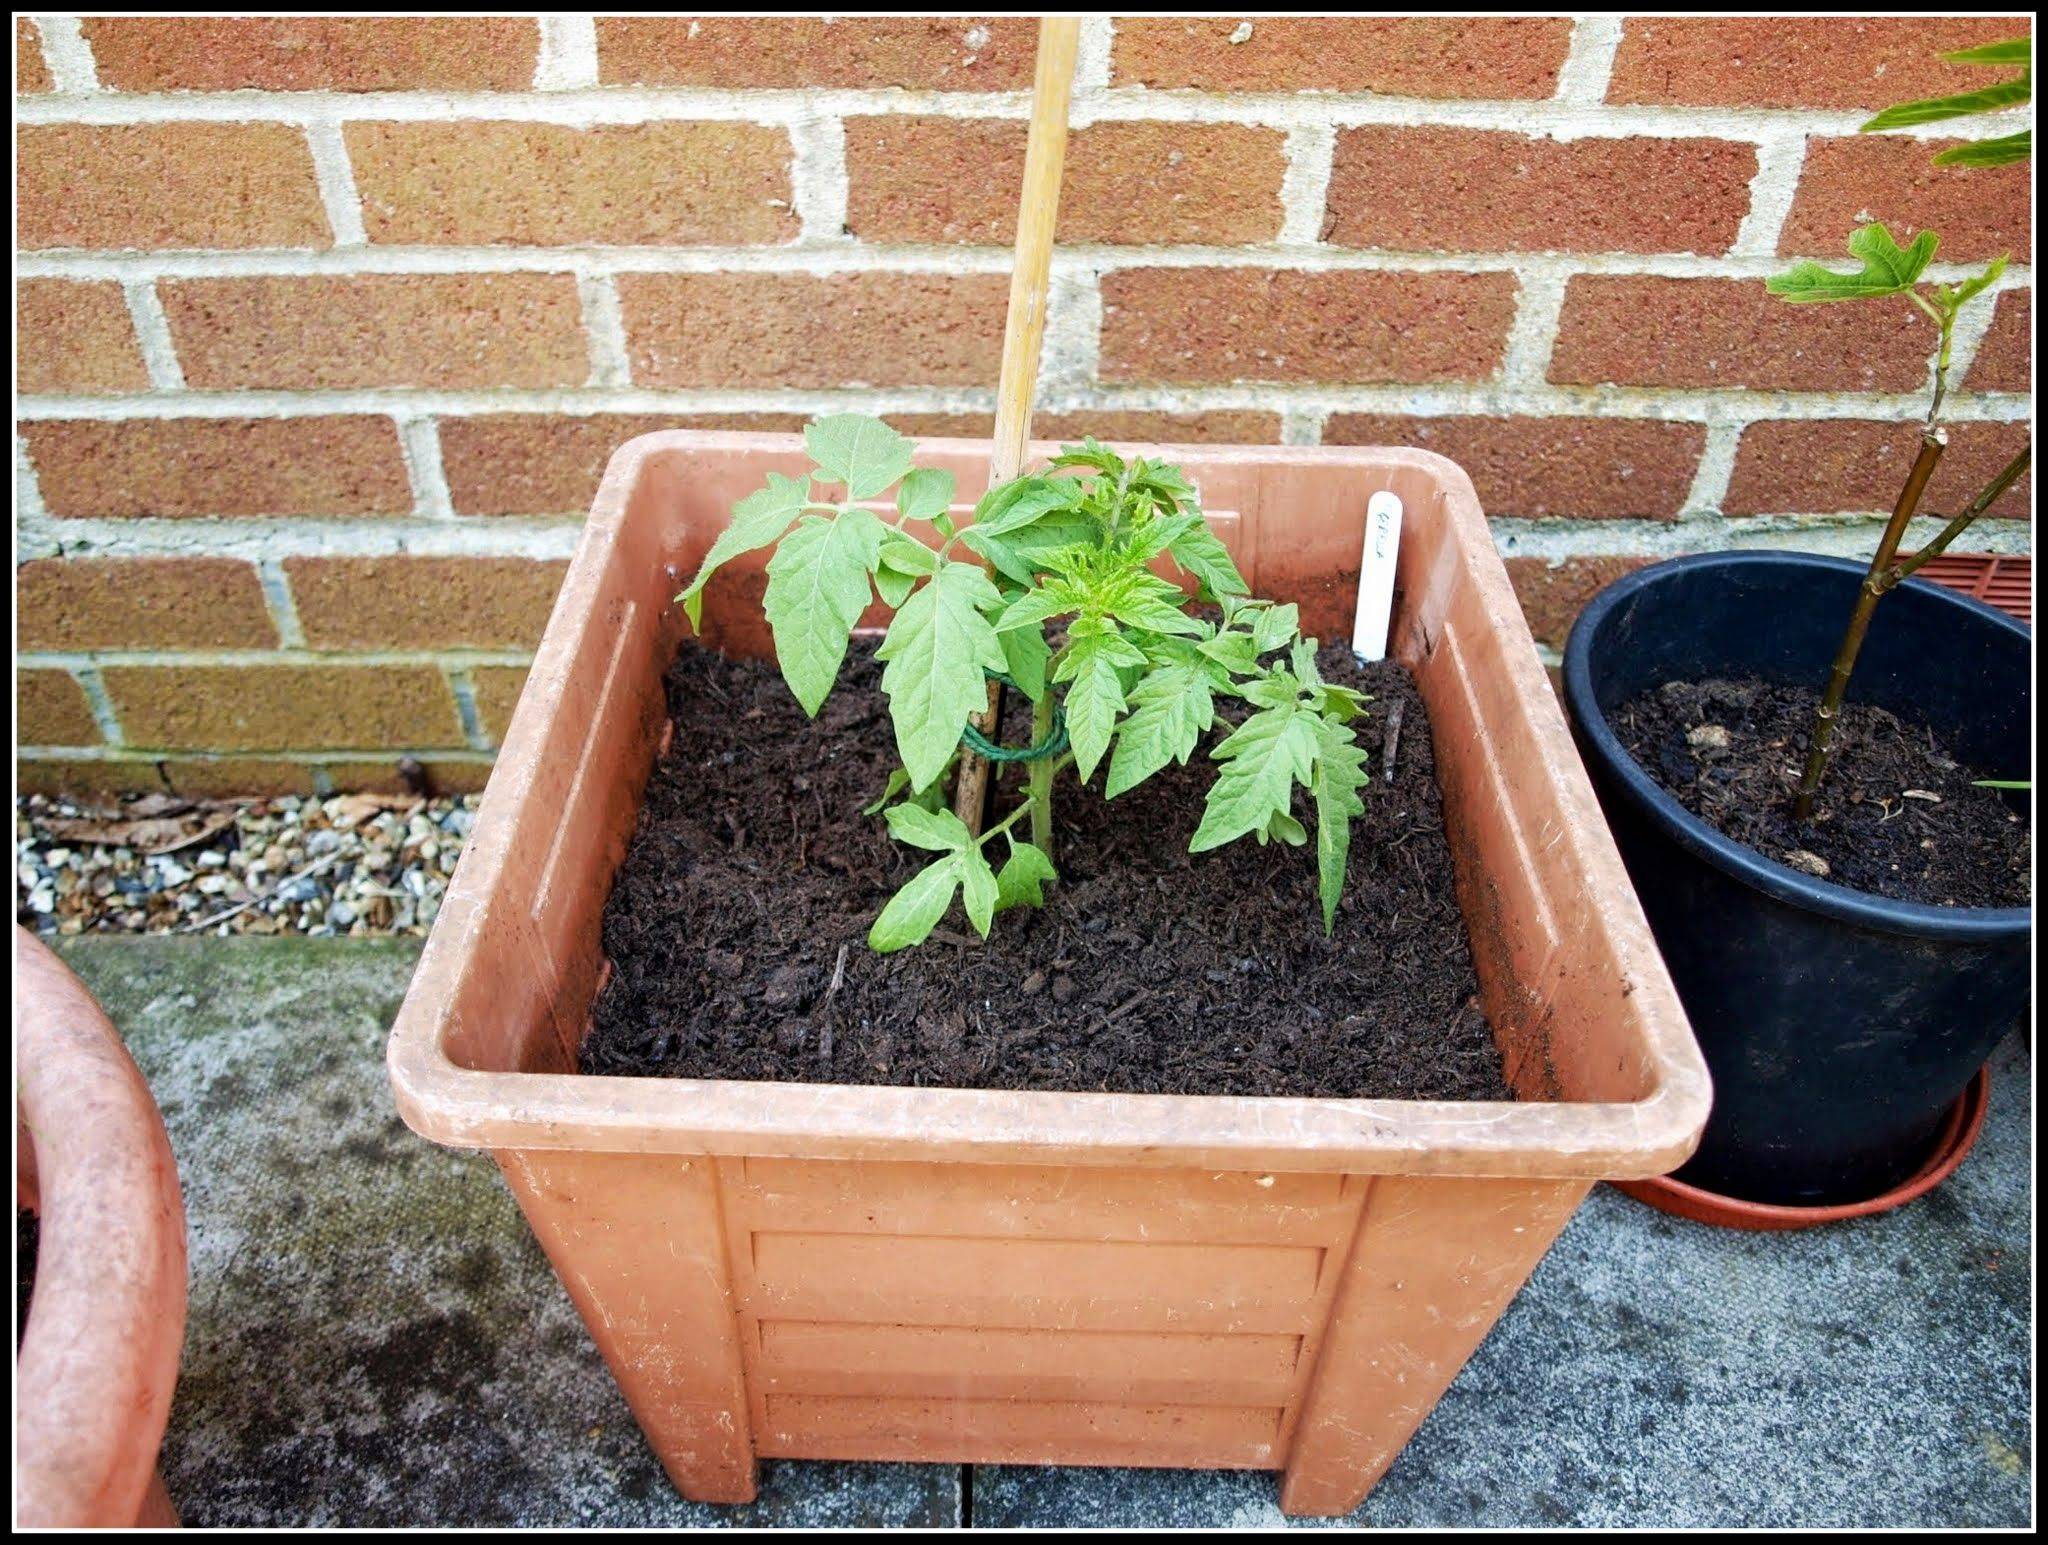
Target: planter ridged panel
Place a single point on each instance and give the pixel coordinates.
(912, 1273)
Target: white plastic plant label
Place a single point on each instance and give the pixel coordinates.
(1376, 577)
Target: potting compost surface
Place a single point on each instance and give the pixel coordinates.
(737, 924)
(1897, 815)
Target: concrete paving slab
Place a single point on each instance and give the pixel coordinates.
(376, 1339)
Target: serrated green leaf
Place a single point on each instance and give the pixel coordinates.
(1026, 869)
(1283, 826)
(979, 892)
(817, 589)
(925, 494)
(903, 561)
(1090, 666)
(1039, 605)
(938, 650)
(1025, 653)
(1090, 453)
(1275, 689)
(1964, 104)
(1021, 553)
(1200, 551)
(1263, 758)
(1953, 297)
(756, 521)
(2002, 151)
(2007, 51)
(1339, 775)
(1235, 652)
(1159, 534)
(1275, 627)
(1170, 709)
(1888, 269)
(941, 831)
(914, 911)
(1148, 602)
(862, 452)
(1013, 505)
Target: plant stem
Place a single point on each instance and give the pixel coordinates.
(2014, 471)
(1932, 443)
(1039, 775)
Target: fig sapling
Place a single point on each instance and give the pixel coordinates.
(1129, 682)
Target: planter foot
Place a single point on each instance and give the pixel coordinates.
(1958, 1136)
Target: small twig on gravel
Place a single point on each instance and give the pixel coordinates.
(1393, 742)
(240, 907)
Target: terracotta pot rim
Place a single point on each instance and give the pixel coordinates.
(1958, 1136)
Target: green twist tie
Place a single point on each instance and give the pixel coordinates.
(989, 751)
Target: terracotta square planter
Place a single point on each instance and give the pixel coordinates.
(934, 1274)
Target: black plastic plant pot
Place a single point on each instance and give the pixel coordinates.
(1839, 1026)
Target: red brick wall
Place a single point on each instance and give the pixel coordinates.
(328, 324)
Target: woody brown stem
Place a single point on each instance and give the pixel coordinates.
(1932, 443)
(2014, 471)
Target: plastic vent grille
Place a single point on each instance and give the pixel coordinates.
(2000, 580)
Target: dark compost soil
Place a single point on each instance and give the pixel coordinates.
(737, 925)
(1896, 815)
(27, 1232)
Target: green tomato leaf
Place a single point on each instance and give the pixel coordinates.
(1095, 691)
(1026, 870)
(1275, 627)
(1339, 775)
(862, 452)
(1200, 552)
(898, 781)
(1263, 758)
(938, 650)
(939, 830)
(2002, 151)
(978, 888)
(1169, 711)
(1888, 269)
(926, 493)
(817, 589)
(1283, 826)
(914, 911)
(1148, 602)
(757, 520)
(904, 560)
(1039, 605)
(1025, 653)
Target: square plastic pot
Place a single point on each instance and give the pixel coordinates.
(828, 1272)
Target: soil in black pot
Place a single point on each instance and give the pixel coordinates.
(1897, 815)
(737, 925)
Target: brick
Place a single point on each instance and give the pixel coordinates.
(423, 602)
(800, 330)
(1478, 190)
(451, 774)
(283, 707)
(496, 689)
(955, 180)
(1413, 56)
(31, 74)
(50, 710)
(166, 185)
(1251, 324)
(474, 182)
(339, 465)
(1847, 182)
(81, 777)
(1838, 62)
(141, 603)
(452, 331)
(1554, 593)
(236, 777)
(919, 53)
(1856, 466)
(1114, 426)
(551, 463)
(2003, 362)
(1732, 333)
(314, 53)
(74, 336)
(1579, 468)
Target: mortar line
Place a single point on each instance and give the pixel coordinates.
(1716, 467)
(87, 675)
(1780, 163)
(604, 330)
(153, 334)
(818, 183)
(284, 607)
(441, 658)
(1311, 153)
(463, 690)
(298, 757)
(567, 58)
(1092, 59)
(1525, 358)
(1589, 61)
(336, 179)
(419, 437)
(68, 55)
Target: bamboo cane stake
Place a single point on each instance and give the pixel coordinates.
(1045, 155)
